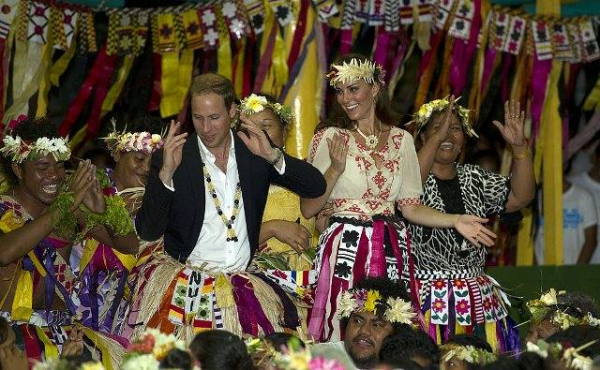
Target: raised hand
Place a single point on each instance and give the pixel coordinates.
(81, 183)
(13, 359)
(293, 234)
(443, 130)
(473, 229)
(255, 139)
(338, 151)
(93, 198)
(513, 131)
(74, 345)
(172, 151)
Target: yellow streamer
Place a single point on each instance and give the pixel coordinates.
(239, 67)
(50, 349)
(101, 345)
(117, 87)
(62, 63)
(22, 305)
(78, 137)
(593, 99)
(170, 103)
(224, 292)
(44, 89)
(224, 54)
(304, 98)
(186, 65)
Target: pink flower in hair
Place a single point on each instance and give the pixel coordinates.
(17, 121)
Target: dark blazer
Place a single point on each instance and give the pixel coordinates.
(179, 215)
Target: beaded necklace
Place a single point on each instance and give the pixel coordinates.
(231, 235)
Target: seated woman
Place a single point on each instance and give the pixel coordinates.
(449, 283)
(285, 234)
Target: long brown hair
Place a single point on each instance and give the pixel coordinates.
(383, 109)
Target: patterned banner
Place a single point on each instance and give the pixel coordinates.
(461, 24)
(256, 12)
(233, 11)
(282, 10)
(576, 46)
(562, 45)
(515, 35)
(7, 15)
(442, 13)
(499, 32)
(39, 19)
(209, 27)
(327, 9)
(541, 36)
(192, 29)
(588, 39)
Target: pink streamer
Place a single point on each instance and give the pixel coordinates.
(429, 54)
(504, 76)
(250, 312)
(463, 53)
(377, 263)
(488, 67)
(539, 82)
(338, 286)
(381, 48)
(346, 42)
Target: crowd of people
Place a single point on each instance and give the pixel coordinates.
(370, 253)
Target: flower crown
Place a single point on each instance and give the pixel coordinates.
(123, 142)
(257, 103)
(293, 357)
(468, 354)
(425, 112)
(19, 150)
(354, 70)
(395, 310)
(547, 303)
(574, 360)
(150, 350)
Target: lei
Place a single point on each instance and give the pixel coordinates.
(291, 358)
(556, 351)
(468, 354)
(361, 300)
(115, 216)
(19, 150)
(123, 142)
(355, 70)
(257, 103)
(548, 303)
(58, 363)
(424, 114)
(147, 352)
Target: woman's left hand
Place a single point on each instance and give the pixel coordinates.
(472, 228)
(513, 130)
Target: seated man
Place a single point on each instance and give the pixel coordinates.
(371, 311)
(206, 194)
(41, 214)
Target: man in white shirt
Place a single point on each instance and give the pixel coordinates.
(591, 182)
(206, 192)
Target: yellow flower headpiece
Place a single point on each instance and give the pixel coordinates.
(468, 354)
(257, 103)
(426, 111)
(548, 302)
(571, 355)
(123, 141)
(19, 150)
(395, 310)
(354, 70)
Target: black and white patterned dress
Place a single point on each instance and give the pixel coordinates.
(454, 292)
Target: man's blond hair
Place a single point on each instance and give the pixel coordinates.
(207, 83)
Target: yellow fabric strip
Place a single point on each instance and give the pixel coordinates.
(279, 66)
(117, 87)
(239, 67)
(22, 305)
(50, 349)
(78, 137)
(170, 103)
(593, 99)
(62, 63)
(186, 65)
(224, 66)
(301, 98)
(101, 345)
(490, 334)
(44, 89)
(552, 171)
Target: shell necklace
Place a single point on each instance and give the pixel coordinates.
(371, 141)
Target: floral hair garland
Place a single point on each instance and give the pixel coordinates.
(468, 354)
(257, 103)
(124, 142)
(548, 303)
(150, 350)
(355, 70)
(59, 363)
(438, 105)
(291, 358)
(19, 150)
(395, 310)
(556, 351)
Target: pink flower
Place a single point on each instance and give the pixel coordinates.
(439, 305)
(322, 363)
(462, 307)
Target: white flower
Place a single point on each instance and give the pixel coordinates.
(347, 304)
(579, 362)
(549, 298)
(591, 320)
(43, 144)
(254, 104)
(155, 139)
(399, 311)
(142, 362)
(532, 347)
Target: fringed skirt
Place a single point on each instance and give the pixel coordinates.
(468, 302)
(47, 331)
(185, 300)
(349, 250)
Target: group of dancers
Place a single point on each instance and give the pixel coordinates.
(182, 233)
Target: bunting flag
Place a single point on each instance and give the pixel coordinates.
(442, 13)
(542, 38)
(588, 39)
(235, 19)
(461, 25)
(327, 9)
(208, 25)
(282, 10)
(562, 45)
(8, 9)
(256, 12)
(514, 38)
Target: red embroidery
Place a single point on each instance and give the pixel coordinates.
(368, 194)
(409, 202)
(315, 144)
(373, 204)
(397, 139)
(379, 180)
